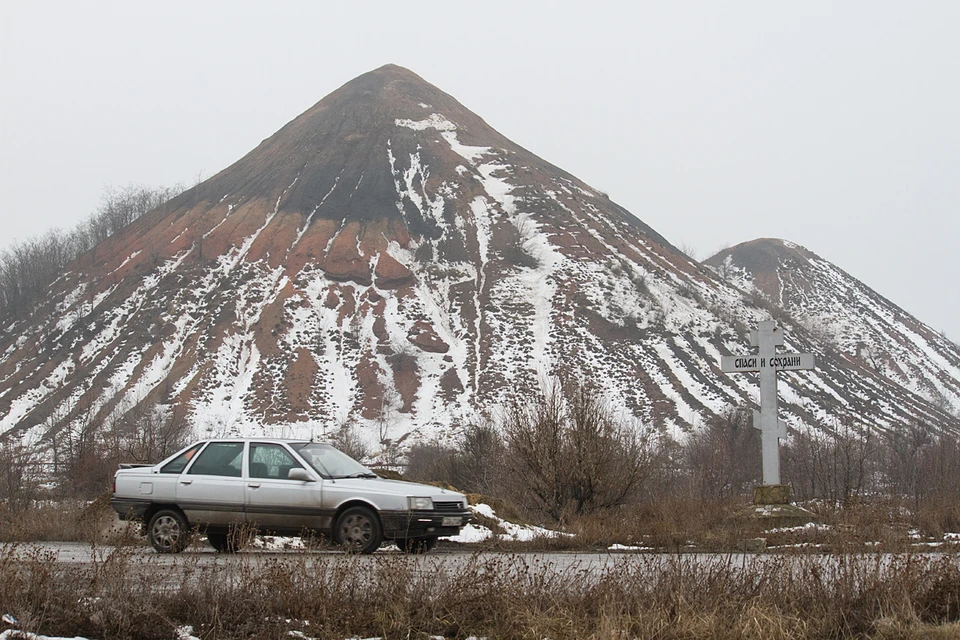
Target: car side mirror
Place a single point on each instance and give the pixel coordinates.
(299, 474)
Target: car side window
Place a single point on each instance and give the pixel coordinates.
(178, 464)
(219, 459)
(271, 461)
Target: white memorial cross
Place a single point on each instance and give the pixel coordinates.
(767, 337)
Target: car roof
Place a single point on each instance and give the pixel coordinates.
(260, 439)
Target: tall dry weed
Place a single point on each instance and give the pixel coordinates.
(128, 593)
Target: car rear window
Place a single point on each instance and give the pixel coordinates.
(180, 462)
(219, 459)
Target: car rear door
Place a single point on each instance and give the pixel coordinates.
(276, 503)
(211, 490)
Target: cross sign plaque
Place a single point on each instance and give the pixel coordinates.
(767, 337)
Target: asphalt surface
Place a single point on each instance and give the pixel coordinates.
(200, 559)
(200, 555)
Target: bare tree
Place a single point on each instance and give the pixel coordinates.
(146, 433)
(905, 450)
(82, 460)
(17, 477)
(479, 460)
(121, 206)
(836, 464)
(347, 439)
(571, 453)
(534, 430)
(28, 268)
(940, 463)
(724, 456)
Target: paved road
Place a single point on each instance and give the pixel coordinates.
(199, 556)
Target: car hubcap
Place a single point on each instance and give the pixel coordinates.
(356, 531)
(166, 531)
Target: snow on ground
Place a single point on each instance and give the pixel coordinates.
(470, 534)
(411, 183)
(624, 547)
(518, 532)
(14, 634)
(810, 527)
(25, 403)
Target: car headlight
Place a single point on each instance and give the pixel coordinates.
(414, 503)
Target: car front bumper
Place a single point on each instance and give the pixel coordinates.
(422, 524)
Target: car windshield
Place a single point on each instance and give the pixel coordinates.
(333, 463)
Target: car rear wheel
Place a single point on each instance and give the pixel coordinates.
(223, 542)
(358, 529)
(168, 531)
(416, 545)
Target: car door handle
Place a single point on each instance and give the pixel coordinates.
(254, 485)
(185, 481)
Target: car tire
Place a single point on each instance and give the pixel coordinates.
(416, 545)
(358, 529)
(223, 542)
(168, 531)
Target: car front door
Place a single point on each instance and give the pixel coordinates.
(276, 503)
(211, 490)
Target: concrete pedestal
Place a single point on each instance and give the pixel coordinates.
(772, 508)
(772, 494)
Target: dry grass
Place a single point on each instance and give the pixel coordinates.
(64, 520)
(128, 595)
(127, 592)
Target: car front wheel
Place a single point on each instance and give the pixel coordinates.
(168, 531)
(358, 529)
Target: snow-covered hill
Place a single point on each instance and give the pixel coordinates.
(844, 313)
(389, 258)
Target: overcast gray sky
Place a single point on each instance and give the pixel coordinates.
(832, 124)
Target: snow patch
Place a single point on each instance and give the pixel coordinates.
(473, 533)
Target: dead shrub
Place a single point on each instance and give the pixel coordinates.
(570, 455)
(45, 521)
(936, 517)
(723, 458)
(347, 438)
(474, 463)
(18, 477)
(430, 462)
(478, 466)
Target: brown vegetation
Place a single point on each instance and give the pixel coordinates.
(562, 456)
(124, 594)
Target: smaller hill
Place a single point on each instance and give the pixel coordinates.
(853, 318)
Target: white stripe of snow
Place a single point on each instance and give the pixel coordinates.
(309, 219)
(231, 260)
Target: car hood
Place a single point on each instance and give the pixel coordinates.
(399, 488)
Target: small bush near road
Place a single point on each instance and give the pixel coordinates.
(61, 521)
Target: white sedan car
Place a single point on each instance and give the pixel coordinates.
(281, 487)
